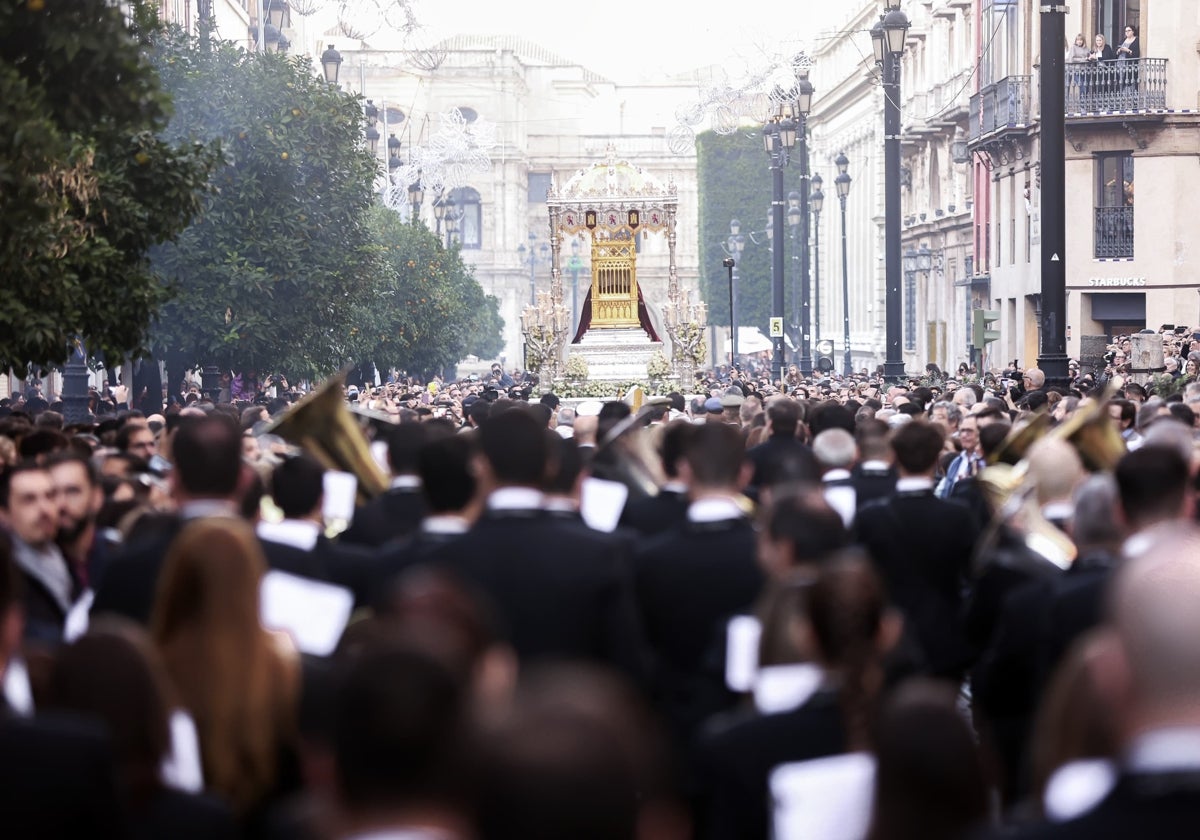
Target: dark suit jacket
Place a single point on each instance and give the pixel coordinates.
(561, 590)
(655, 514)
(690, 582)
(736, 757)
(57, 780)
(1163, 807)
(782, 454)
(872, 484)
(922, 547)
(396, 513)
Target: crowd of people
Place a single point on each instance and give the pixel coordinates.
(829, 608)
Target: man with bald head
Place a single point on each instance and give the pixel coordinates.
(1148, 671)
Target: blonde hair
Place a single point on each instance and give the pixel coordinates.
(229, 671)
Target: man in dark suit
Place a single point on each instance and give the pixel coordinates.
(922, 547)
(693, 578)
(206, 481)
(652, 515)
(558, 588)
(874, 476)
(1148, 666)
(781, 456)
(57, 776)
(397, 512)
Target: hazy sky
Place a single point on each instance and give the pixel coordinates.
(638, 40)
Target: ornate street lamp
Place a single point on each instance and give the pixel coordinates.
(733, 248)
(393, 148)
(331, 62)
(842, 182)
(416, 195)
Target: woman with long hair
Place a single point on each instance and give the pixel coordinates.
(239, 681)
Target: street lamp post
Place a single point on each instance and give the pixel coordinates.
(1053, 360)
(779, 138)
(793, 219)
(817, 202)
(75, 386)
(733, 247)
(532, 256)
(842, 182)
(331, 63)
(575, 265)
(887, 37)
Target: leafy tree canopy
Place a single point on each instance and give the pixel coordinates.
(280, 270)
(86, 186)
(431, 312)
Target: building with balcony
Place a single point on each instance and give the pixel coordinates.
(1127, 121)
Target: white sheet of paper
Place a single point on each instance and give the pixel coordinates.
(827, 798)
(742, 635)
(313, 613)
(781, 688)
(16, 688)
(1077, 787)
(76, 623)
(181, 768)
(601, 503)
(379, 454)
(340, 490)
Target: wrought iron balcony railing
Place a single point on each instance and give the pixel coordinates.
(1114, 232)
(1133, 85)
(1001, 105)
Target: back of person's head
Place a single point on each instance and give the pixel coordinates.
(297, 485)
(1174, 435)
(871, 436)
(478, 412)
(566, 465)
(42, 442)
(992, 437)
(830, 415)
(1095, 522)
(1153, 484)
(404, 446)
(574, 757)
(611, 413)
(447, 475)
(113, 674)
(1055, 469)
(714, 453)
(835, 449)
(515, 448)
(804, 527)
(207, 453)
(917, 446)
(929, 778)
(50, 420)
(671, 446)
(398, 728)
(784, 414)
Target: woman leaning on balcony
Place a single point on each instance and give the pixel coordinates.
(1101, 58)
(1128, 52)
(1076, 54)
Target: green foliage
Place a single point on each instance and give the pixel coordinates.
(280, 271)
(735, 183)
(86, 187)
(430, 312)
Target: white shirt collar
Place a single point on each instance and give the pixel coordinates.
(444, 523)
(882, 466)
(714, 510)
(674, 486)
(1165, 750)
(294, 532)
(913, 484)
(515, 498)
(406, 482)
(559, 504)
(836, 475)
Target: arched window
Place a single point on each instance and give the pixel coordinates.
(470, 222)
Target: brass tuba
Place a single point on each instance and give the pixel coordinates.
(323, 426)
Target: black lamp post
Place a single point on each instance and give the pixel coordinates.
(793, 221)
(371, 113)
(393, 149)
(1053, 360)
(575, 265)
(416, 195)
(531, 256)
(842, 182)
(75, 387)
(439, 213)
(331, 62)
(887, 38)
(450, 218)
(210, 383)
(817, 202)
(779, 138)
(733, 247)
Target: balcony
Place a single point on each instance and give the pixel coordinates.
(1114, 233)
(1002, 106)
(1116, 87)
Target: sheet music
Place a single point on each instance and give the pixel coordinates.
(601, 503)
(742, 635)
(824, 799)
(313, 613)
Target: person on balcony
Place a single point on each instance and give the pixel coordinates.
(1100, 58)
(1077, 54)
(1128, 53)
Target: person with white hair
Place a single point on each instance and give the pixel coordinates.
(965, 397)
(836, 451)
